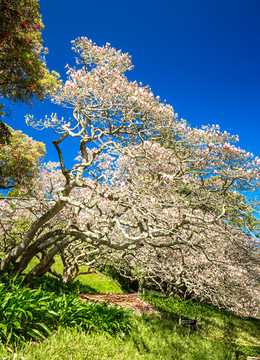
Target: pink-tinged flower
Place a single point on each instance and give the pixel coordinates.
(106, 196)
(152, 200)
(26, 39)
(171, 179)
(37, 26)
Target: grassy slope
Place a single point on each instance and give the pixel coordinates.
(91, 283)
(225, 327)
(157, 336)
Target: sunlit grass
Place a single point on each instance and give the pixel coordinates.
(219, 335)
(152, 339)
(89, 283)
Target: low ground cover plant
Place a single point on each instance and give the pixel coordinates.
(66, 328)
(27, 314)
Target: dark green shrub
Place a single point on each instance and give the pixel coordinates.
(52, 284)
(24, 314)
(27, 313)
(72, 312)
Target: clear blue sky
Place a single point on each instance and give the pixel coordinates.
(202, 56)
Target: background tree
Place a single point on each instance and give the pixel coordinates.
(19, 160)
(24, 75)
(5, 133)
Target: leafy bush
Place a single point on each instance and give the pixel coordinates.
(33, 313)
(24, 314)
(11, 282)
(91, 316)
(52, 284)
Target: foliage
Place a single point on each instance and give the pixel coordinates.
(52, 284)
(24, 75)
(219, 335)
(152, 337)
(4, 131)
(19, 159)
(249, 350)
(92, 316)
(33, 313)
(25, 314)
(23, 71)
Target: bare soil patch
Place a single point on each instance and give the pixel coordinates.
(129, 301)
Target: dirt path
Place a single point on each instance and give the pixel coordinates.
(131, 301)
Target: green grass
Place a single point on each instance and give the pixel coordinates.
(243, 335)
(99, 283)
(220, 335)
(90, 283)
(152, 339)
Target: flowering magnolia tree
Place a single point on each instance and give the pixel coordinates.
(189, 273)
(200, 237)
(109, 113)
(144, 183)
(19, 159)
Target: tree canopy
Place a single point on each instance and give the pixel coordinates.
(23, 71)
(24, 75)
(19, 160)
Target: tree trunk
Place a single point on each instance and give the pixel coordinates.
(18, 250)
